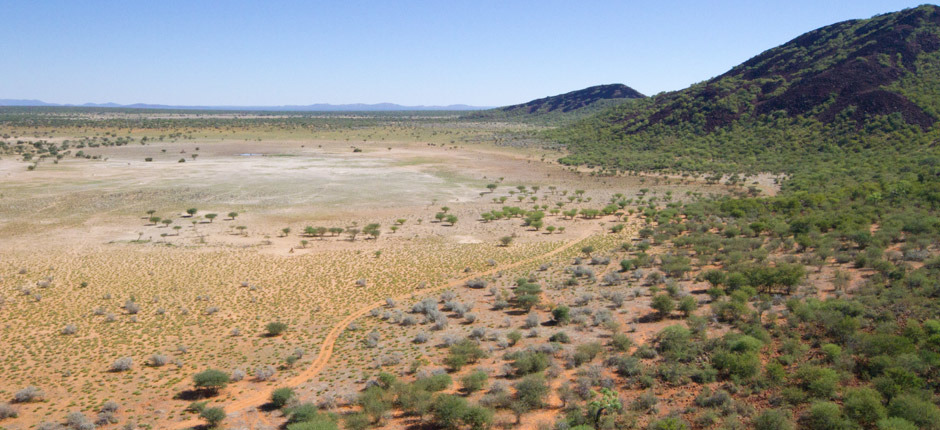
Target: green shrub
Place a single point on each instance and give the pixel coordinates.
(921, 412)
(303, 413)
(375, 402)
(197, 407)
(644, 352)
(561, 315)
(627, 265)
(717, 399)
(831, 351)
(474, 381)
(531, 392)
(448, 410)
(687, 305)
(793, 395)
(819, 382)
(434, 383)
(884, 344)
(322, 421)
(513, 337)
(586, 352)
(863, 405)
(774, 373)
(625, 365)
(663, 304)
(773, 419)
(669, 423)
(729, 310)
(824, 416)
(620, 342)
(705, 375)
(463, 352)
(386, 380)
(412, 399)
(281, 396)
(213, 416)
(477, 418)
(737, 365)
(527, 362)
(275, 328)
(895, 423)
(356, 421)
(673, 343)
(560, 337)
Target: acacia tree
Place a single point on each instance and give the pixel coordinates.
(232, 215)
(663, 304)
(372, 230)
(211, 217)
(211, 380)
(192, 211)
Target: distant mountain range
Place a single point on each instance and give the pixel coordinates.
(319, 107)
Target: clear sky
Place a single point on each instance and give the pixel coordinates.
(481, 52)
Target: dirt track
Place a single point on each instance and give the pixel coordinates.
(261, 397)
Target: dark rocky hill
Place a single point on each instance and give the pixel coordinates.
(570, 106)
(830, 90)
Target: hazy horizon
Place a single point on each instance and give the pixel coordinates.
(411, 54)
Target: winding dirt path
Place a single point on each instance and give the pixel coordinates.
(261, 397)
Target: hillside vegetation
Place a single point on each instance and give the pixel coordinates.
(845, 98)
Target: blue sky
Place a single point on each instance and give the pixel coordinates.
(409, 52)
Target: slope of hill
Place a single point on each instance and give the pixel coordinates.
(861, 88)
(572, 105)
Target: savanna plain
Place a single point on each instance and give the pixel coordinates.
(134, 257)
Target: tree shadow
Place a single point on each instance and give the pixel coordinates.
(651, 318)
(195, 394)
(268, 407)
